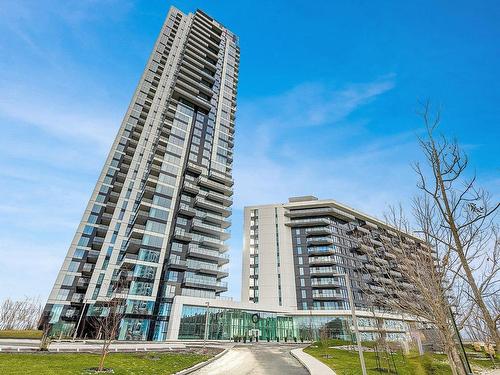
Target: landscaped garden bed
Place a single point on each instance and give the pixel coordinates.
(346, 362)
(119, 363)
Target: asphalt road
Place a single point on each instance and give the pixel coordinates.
(256, 359)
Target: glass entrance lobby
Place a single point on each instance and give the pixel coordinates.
(226, 323)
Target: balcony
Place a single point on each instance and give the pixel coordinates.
(377, 289)
(221, 286)
(381, 261)
(177, 264)
(82, 282)
(371, 267)
(357, 230)
(199, 226)
(216, 219)
(137, 231)
(397, 250)
(205, 283)
(208, 254)
(113, 196)
(182, 235)
(221, 178)
(321, 211)
(222, 274)
(213, 242)
(312, 222)
(322, 260)
(141, 216)
(92, 256)
(363, 249)
(407, 286)
(325, 283)
(106, 218)
(87, 268)
(324, 231)
(97, 243)
(384, 238)
(323, 250)
(376, 243)
(390, 255)
(145, 204)
(402, 293)
(330, 295)
(395, 273)
(323, 271)
(385, 281)
(190, 187)
(212, 206)
(315, 241)
(186, 210)
(206, 268)
(133, 245)
(197, 169)
(221, 198)
(217, 186)
(77, 298)
(184, 91)
(369, 225)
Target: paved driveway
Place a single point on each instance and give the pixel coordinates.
(256, 359)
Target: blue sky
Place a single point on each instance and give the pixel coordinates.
(327, 99)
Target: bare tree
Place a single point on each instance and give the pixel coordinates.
(467, 221)
(20, 315)
(45, 340)
(106, 317)
(407, 276)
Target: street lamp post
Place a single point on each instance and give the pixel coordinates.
(80, 319)
(205, 336)
(354, 321)
(465, 360)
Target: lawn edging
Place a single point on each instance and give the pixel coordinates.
(202, 364)
(311, 364)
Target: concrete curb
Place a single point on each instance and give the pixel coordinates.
(202, 364)
(311, 364)
(294, 355)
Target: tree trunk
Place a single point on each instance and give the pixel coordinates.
(104, 352)
(450, 348)
(455, 361)
(448, 216)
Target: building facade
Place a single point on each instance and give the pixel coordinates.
(158, 216)
(296, 254)
(297, 259)
(225, 320)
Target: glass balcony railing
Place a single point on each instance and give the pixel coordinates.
(330, 294)
(201, 250)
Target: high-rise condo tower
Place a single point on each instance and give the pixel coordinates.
(159, 211)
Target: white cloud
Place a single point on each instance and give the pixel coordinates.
(29, 268)
(60, 117)
(289, 155)
(311, 104)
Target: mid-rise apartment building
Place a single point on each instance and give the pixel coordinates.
(158, 216)
(296, 255)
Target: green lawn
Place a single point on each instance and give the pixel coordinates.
(76, 363)
(20, 334)
(347, 362)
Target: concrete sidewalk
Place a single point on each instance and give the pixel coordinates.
(256, 359)
(13, 345)
(314, 366)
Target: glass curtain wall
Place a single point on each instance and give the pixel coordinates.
(225, 324)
